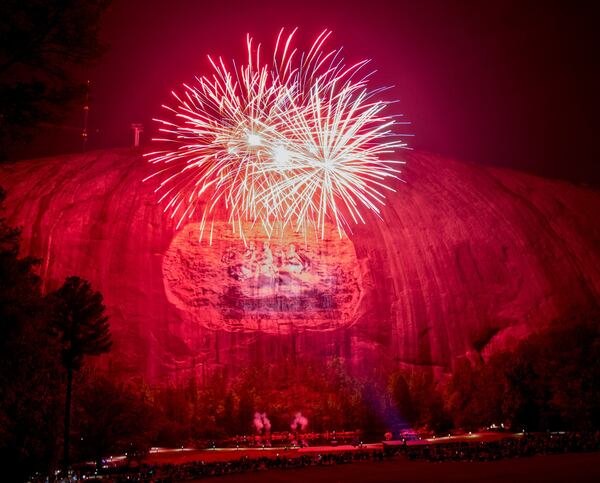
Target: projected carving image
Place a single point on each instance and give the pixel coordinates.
(272, 285)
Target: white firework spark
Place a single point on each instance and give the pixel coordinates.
(297, 143)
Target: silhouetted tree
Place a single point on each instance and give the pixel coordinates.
(19, 284)
(400, 392)
(29, 368)
(80, 325)
(547, 381)
(426, 398)
(226, 419)
(41, 45)
(476, 392)
(553, 378)
(114, 417)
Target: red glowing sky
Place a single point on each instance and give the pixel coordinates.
(493, 82)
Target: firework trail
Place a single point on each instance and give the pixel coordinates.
(295, 142)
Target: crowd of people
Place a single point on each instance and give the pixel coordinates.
(526, 444)
(513, 447)
(199, 469)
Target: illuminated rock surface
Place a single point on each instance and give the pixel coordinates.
(467, 259)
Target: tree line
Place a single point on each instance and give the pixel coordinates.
(45, 339)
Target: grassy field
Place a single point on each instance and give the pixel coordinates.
(571, 468)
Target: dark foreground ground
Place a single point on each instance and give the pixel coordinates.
(571, 468)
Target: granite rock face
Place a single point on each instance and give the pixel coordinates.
(466, 260)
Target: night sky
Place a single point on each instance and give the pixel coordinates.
(511, 84)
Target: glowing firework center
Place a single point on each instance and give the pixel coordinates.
(268, 162)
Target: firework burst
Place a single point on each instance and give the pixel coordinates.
(297, 141)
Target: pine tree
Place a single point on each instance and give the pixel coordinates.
(82, 328)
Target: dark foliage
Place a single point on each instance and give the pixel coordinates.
(113, 417)
(32, 357)
(79, 322)
(82, 329)
(551, 380)
(42, 44)
(418, 399)
(30, 375)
